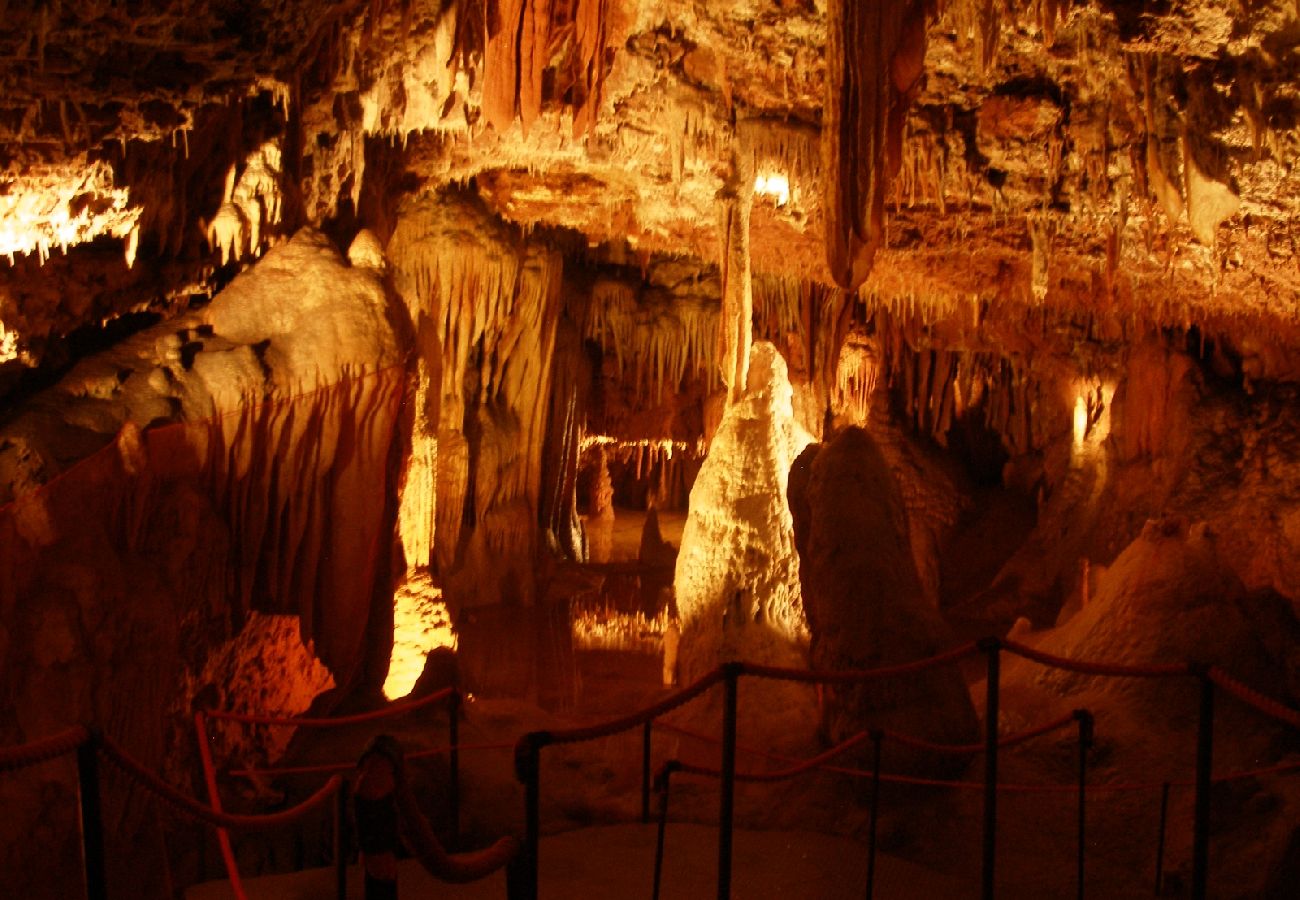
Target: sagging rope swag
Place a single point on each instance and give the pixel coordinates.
(375, 793)
(88, 746)
(528, 750)
(452, 695)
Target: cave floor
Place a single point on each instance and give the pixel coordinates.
(618, 860)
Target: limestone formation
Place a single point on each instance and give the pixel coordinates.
(324, 324)
(864, 601)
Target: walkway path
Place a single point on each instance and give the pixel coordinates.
(617, 861)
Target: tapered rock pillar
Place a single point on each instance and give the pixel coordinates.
(736, 327)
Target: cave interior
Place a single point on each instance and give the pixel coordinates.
(562, 351)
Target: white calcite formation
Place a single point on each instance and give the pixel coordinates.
(737, 578)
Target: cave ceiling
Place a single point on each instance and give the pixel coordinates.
(1100, 157)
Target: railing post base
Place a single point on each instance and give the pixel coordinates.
(731, 673)
(1204, 770)
(528, 764)
(991, 647)
(92, 820)
(1086, 727)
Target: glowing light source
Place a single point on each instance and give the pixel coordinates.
(421, 624)
(1092, 399)
(775, 186)
(1080, 420)
(8, 344)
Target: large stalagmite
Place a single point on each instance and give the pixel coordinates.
(737, 575)
(864, 600)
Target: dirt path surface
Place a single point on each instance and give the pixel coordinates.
(618, 861)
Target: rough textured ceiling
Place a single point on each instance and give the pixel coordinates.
(1110, 158)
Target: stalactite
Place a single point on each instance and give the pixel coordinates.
(657, 343)
(494, 304)
(735, 332)
(524, 39)
(875, 53)
(856, 379)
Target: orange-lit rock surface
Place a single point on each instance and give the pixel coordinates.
(864, 600)
(301, 302)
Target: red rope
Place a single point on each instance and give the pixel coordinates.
(1251, 697)
(327, 768)
(23, 755)
(214, 797)
(846, 676)
(396, 709)
(203, 813)
(1083, 667)
(1010, 740)
(626, 723)
(457, 868)
(799, 768)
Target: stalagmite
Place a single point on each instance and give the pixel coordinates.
(736, 584)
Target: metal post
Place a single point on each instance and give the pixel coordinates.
(341, 842)
(528, 759)
(1204, 768)
(453, 764)
(731, 678)
(665, 786)
(645, 771)
(1085, 720)
(991, 647)
(92, 821)
(1160, 843)
(877, 737)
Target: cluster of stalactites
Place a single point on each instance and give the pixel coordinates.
(525, 38)
(49, 206)
(938, 387)
(856, 378)
(252, 204)
(643, 453)
(494, 303)
(658, 343)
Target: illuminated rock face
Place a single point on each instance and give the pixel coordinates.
(864, 601)
(737, 579)
(171, 491)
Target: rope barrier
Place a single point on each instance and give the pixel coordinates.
(457, 868)
(849, 676)
(328, 768)
(1011, 740)
(1278, 769)
(394, 710)
(626, 723)
(782, 774)
(12, 759)
(1084, 667)
(1253, 698)
(202, 812)
(214, 797)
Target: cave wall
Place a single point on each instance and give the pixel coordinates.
(226, 466)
